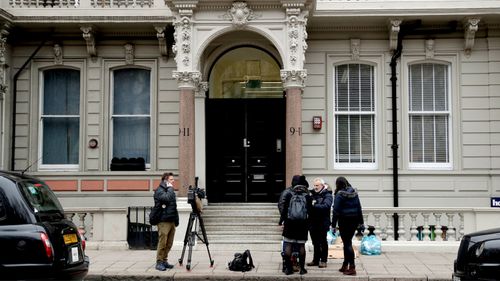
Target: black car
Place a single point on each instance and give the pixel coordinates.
(478, 256)
(36, 240)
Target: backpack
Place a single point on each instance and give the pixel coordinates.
(240, 263)
(297, 208)
(155, 214)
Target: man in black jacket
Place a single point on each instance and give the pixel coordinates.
(165, 197)
(319, 222)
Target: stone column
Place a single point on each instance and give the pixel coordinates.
(200, 153)
(293, 83)
(293, 77)
(188, 83)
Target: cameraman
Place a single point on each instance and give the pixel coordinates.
(169, 220)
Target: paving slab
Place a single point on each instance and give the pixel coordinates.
(389, 266)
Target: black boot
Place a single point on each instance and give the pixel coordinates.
(288, 267)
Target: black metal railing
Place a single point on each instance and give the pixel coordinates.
(141, 234)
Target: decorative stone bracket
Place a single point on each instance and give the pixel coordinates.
(429, 48)
(88, 35)
(162, 41)
(471, 25)
(129, 53)
(58, 54)
(355, 48)
(394, 27)
(4, 32)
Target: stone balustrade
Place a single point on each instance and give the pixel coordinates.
(75, 4)
(416, 224)
(109, 225)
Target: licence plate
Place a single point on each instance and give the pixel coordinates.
(70, 238)
(75, 257)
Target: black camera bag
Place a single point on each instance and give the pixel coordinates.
(241, 262)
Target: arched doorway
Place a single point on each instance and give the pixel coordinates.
(245, 126)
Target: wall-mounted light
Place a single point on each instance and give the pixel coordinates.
(317, 122)
(93, 143)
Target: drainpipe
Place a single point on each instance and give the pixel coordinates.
(410, 28)
(14, 101)
(395, 175)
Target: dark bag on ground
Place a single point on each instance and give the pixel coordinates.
(241, 262)
(155, 215)
(297, 208)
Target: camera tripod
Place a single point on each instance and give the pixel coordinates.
(190, 238)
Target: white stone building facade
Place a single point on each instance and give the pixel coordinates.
(228, 91)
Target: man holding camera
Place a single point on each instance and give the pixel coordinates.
(169, 220)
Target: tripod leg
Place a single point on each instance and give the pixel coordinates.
(191, 242)
(186, 236)
(205, 239)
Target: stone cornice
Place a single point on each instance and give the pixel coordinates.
(227, 4)
(325, 27)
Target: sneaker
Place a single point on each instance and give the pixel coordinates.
(313, 263)
(160, 266)
(303, 271)
(322, 264)
(168, 265)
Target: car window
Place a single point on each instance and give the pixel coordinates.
(41, 198)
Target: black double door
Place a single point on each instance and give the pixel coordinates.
(245, 149)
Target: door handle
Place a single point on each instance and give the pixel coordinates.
(246, 143)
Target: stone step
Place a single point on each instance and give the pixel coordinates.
(245, 232)
(240, 212)
(243, 227)
(243, 239)
(240, 220)
(242, 223)
(239, 247)
(243, 205)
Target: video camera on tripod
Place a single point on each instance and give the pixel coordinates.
(194, 196)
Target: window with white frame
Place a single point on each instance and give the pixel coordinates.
(429, 115)
(131, 113)
(354, 116)
(60, 118)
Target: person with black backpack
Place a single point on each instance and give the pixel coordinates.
(284, 196)
(295, 225)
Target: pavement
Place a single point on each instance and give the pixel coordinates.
(390, 265)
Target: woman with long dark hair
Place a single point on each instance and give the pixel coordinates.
(349, 215)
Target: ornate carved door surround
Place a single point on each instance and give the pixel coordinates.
(198, 23)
